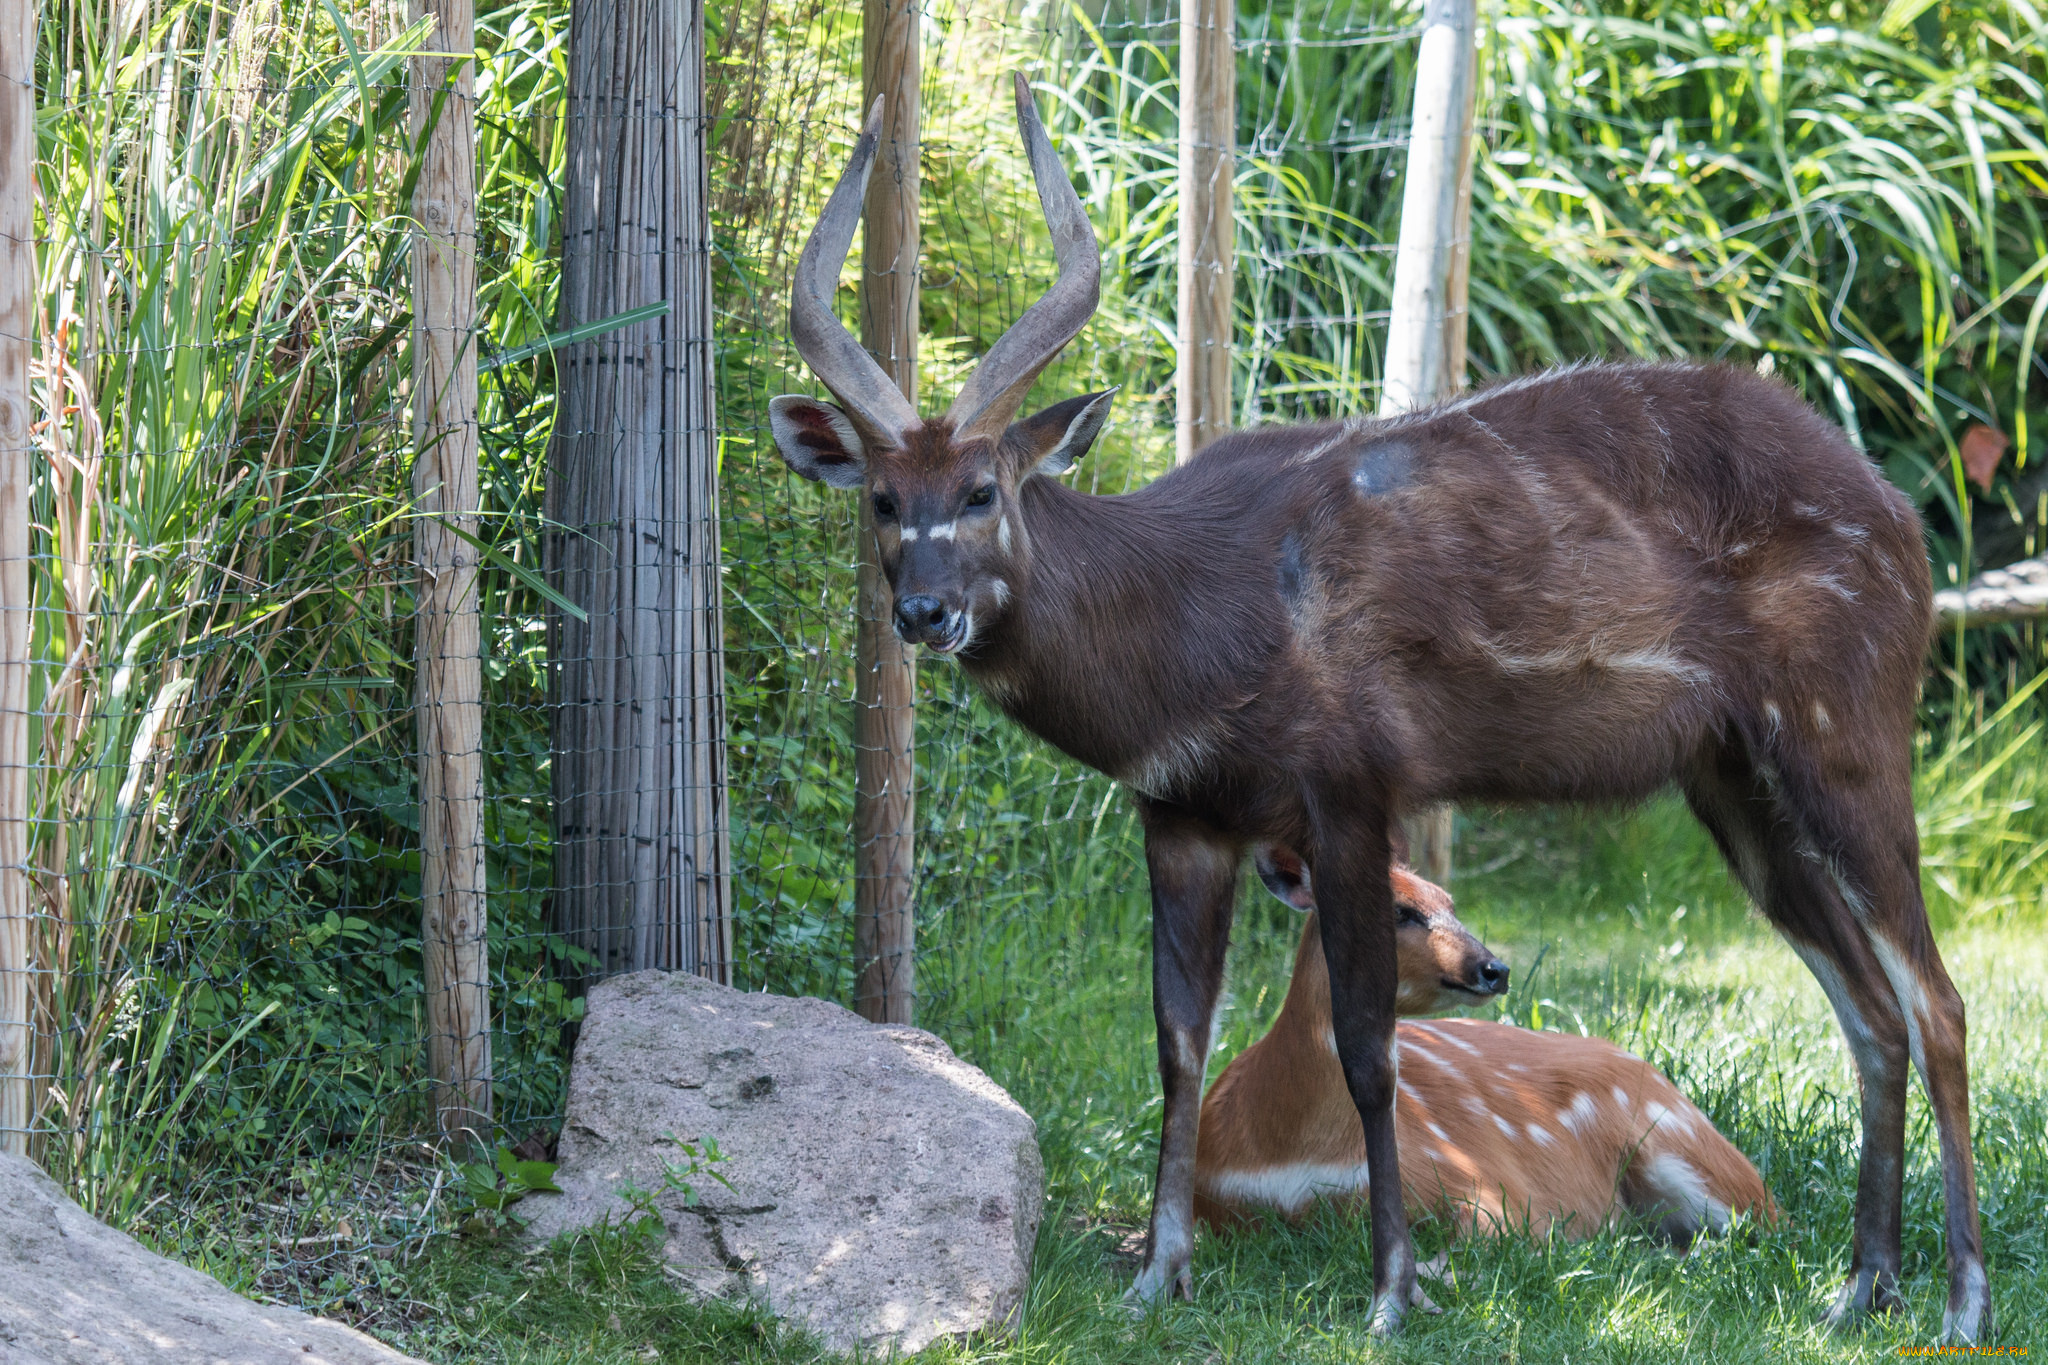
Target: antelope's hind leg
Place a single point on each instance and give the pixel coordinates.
(1835, 867)
(1193, 870)
(1871, 846)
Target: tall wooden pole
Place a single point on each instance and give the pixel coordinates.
(17, 311)
(638, 679)
(884, 734)
(449, 695)
(1426, 334)
(1208, 164)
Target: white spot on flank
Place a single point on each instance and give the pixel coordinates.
(907, 534)
(945, 530)
(1437, 1031)
(1580, 1113)
(1621, 1097)
(1414, 1095)
(1440, 1134)
(1835, 585)
(1537, 1133)
(1679, 1185)
(1478, 1107)
(1507, 1129)
(1661, 661)
(1289, 1189)
(1662, 1115)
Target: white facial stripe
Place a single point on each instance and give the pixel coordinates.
(945, 530)
(1003, 533)
(907, 534)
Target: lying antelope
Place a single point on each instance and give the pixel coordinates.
(1582, 586)
(1498, 1127)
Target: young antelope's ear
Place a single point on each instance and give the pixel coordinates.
(1049, 442)
(1285, 875)
(817, 440)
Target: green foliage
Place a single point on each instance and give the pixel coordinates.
(498, 1184)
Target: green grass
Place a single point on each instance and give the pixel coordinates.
(1623, 925)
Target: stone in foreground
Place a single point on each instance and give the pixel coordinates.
(75, 1292)
(884, 1192)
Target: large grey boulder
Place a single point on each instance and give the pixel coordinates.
(75, 1292)
(883, 1192)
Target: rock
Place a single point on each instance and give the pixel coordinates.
(882, 1191)
(75, 1292)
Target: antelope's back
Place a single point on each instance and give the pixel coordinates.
(1559, 587)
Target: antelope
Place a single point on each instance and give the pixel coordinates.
(1498, 1127)
(1580, 586)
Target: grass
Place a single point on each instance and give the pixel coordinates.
(1621, 925)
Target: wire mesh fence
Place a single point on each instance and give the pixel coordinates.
(226, 847)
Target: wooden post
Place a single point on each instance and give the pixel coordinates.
(884, 724)
(638, 681)
(1208, 164)
(446, 656)
(1426, 334)
(17, 312)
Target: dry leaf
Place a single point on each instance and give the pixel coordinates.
(1983, 448)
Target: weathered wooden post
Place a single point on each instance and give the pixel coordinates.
(17, 313)
(1426, 334)
(884, 723)
(1208, 167)
(446, 654)
(638, 678)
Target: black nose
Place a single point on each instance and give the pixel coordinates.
(917, 614)
(1492, 976)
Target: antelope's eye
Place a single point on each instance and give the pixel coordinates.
(1408, 914)
(982, 496)
(885, 507)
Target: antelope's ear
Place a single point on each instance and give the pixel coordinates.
(1285, 875)
(817, 440)
(1049, 442)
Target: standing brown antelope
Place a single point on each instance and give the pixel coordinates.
(1498, 1127)
(1581, 586)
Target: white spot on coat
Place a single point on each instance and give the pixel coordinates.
(1578, 1115)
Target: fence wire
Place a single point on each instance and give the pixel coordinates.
(226, 849)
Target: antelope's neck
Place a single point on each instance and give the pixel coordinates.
(1123, 646)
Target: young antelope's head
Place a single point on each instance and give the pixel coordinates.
(1442, 963)
(943, 492)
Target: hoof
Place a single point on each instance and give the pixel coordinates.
(1387, 1315)
(1967, 1319)
(1864, 1293)
(1157, 1283)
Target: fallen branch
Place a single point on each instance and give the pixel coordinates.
(2018, 592)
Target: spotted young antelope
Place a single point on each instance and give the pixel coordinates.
(1499, 1127)
(1586, 585)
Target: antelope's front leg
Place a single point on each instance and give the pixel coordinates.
(1356, 906)
(1194, 883)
